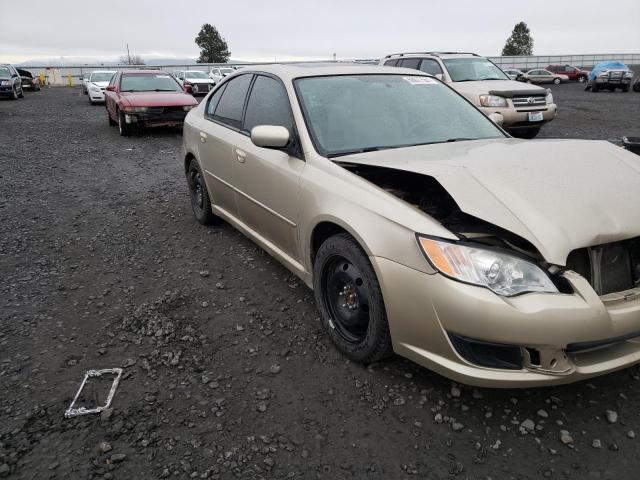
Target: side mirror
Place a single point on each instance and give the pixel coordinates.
(270, 136)
(187, 89)
(111, 88)
(496, 118)
(439, 76)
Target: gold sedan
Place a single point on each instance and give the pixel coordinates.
(421, 226)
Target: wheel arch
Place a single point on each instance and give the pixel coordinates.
(326, 228)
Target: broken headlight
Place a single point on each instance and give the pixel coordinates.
(500, 272)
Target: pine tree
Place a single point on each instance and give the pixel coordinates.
(520, 41)
(213, 48)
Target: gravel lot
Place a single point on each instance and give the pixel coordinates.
(227, 373)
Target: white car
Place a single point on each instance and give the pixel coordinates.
(218, 73)
(198, 80)
(96, 83)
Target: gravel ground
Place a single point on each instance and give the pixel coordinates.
(227, 373)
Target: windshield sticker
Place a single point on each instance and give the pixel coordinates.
(420, 80)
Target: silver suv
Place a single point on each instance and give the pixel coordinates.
(524, 108)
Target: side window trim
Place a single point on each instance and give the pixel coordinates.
(208, 116)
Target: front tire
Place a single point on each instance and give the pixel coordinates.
(199, 195)
(527, 134)
(582, 79)
(123, 127)
(350, 300)
(556, 81)
(21, 94)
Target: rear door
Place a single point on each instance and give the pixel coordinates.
(268, 179)
(219, 133)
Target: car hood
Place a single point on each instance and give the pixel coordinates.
(158, 99)
(102, 84)
(558, 194)
(507, 88)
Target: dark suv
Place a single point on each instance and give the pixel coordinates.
(10, 82)
(574, 73)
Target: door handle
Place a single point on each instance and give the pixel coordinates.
(241, 156)
(203, 137)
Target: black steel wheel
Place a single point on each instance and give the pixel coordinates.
(199, 195)
(350, 300)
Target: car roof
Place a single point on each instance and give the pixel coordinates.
(298, 70)
(104, 71)
(433, 54)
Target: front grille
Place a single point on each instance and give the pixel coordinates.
(611, 267)
(529, 101)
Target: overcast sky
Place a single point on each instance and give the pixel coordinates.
(290, 29)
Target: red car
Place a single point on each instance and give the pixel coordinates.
(574, 73)
(146, 98)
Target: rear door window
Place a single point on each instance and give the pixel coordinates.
(391, 63)
(231, 105)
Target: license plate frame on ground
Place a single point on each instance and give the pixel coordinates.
(535, 116)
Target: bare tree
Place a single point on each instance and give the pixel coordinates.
(131, 60)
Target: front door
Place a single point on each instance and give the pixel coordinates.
(267, 180)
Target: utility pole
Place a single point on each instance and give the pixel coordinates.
(128, 55)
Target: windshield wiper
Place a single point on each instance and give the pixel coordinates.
(362, 150)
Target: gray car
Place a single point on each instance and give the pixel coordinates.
(10, 82)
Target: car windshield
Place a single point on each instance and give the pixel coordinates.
(196, 74)
(101, 76)
(357, 113)
(156, 82)
(5, 72)
(471, 69)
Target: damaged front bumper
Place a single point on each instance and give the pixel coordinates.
(471, 335)
(157, 117)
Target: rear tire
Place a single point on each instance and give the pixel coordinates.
(594, 88)
(199, 195)
(581, 79)
(556, 81)
(350, 301)
(625, 89)
(636, 87)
